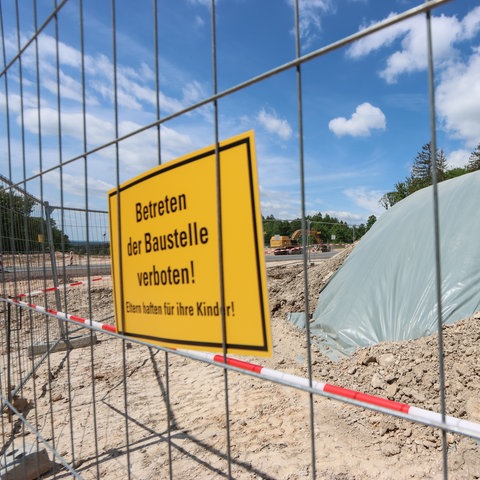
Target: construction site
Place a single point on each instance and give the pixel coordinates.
(146, 331)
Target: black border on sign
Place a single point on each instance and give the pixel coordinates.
(258, 251)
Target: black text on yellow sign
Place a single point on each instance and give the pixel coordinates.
(165, 253)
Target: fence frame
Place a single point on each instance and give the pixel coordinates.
(65, 320)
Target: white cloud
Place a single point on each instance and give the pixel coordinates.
(175, 143)
(310, 17)
(193, 92)
(471, 23)
(134, 83)
(47, 51)
(75, 184)
(280, 203)
(98, 131)
(411, 56)
(413, 53)
(278, 171)
(199, 21)
(135, 92)
(347, 217)
(205, 3)
(458, 90)
(380, 39)
(366, 199)
(458, 100)
(274, 124)
(458, 158)
(140, 152)
(14, 101)
(365, 119)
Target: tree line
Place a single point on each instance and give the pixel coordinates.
(21, 231)
(330, 229)
(421, 173)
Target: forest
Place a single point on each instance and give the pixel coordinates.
(23, 229)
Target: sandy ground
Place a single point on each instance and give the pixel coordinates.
(79, 401)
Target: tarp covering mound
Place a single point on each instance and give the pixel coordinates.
(386, 290)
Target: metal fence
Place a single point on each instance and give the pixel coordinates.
(79, 400)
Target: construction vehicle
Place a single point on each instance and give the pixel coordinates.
(311, 234)
(280, 241)
(286, 241)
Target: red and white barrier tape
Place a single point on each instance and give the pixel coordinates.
(66, 316)
(415, 413)
(63, 286)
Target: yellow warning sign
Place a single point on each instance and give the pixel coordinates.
(172, 252)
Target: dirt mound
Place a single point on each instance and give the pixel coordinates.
(286, 283)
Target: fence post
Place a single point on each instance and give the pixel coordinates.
(53, 261)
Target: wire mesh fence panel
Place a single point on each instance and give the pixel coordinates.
(95, 94)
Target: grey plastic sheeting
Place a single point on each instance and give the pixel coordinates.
(386, 289)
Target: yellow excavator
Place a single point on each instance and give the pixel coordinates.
(312, 233)
(286, 241)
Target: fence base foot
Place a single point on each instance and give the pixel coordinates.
(25, 461)
(73, 342)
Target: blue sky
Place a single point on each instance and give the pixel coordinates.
(365, 106)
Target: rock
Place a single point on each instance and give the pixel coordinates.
(472, 407)
(428, 443)
(391, 449)
(386, 426)
(386, 360)
(390, 378)
(26, 461)
(419, 397)
(462, 369)
(21, 404)
(408, 379)
(407, 391)
(378, 381)
(391, 391)
(469, 351)
(365, 358)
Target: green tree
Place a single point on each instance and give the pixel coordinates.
(14, 210)
(360, 231)
(371, 220)
(268, 228)
(388, 200)
(421, 173)
(343, 233)
(274, 226)
(420, 176)
(474, 160)
(455, 172)
(20, 230)
(402, 190)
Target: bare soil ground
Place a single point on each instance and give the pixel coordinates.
(402, 371)
(79, 402)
